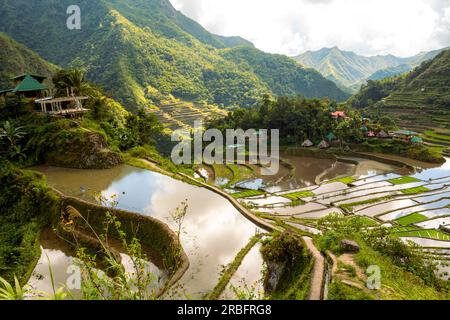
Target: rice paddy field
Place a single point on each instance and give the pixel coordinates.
(183, 114)
(415, 207)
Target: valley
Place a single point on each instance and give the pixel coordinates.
(97, 206)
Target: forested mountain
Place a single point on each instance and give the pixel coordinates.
(419, 99)
(143, 51)
(283, 75)
(349, 70)
(16, 59)
(390, 72)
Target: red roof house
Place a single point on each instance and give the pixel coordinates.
(338, 114)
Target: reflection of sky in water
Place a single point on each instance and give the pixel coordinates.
(40, 280)
(435, 173)
(249, 272)
(214, 231)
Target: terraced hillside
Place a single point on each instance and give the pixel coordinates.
(415, 208)
(174, 115)
(350, 70)
(419, 101)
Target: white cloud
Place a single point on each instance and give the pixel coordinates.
(401, 27)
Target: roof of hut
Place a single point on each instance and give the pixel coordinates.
(29, 84)
(307, 143)
(382, 134)
(324, 145)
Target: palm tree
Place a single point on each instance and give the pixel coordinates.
(73, 79)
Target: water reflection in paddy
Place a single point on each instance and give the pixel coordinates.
(249, 273)
(214, 231)
(58, 261)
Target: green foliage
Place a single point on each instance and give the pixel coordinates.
(339, 291)
(283, 75)
(298, 195)
(349, 206)
(9, 136)
(296, 118)
(132, 48)
(345, 180)
(403, 180)
(287, 250)
(400, 148)
(350, 70)
(417, 100)
(231, 269)
(373, 92)
(16, 59)
(416, 190)
(338, 228)
(411, 219)
(248, 193)
(142, 129)
(28, 205)
(8, 292)
(406, 273)
(68, 80)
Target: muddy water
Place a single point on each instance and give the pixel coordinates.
(213, 230)
(309, 171)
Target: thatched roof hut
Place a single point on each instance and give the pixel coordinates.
(307, 143)
(382, 135)
(324, 145)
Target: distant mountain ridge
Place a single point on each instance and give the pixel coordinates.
(419, 100)
(145, 51)
(349, 70)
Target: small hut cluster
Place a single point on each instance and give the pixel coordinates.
(407, 135)
(32, 87)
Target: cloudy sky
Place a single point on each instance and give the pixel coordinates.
(368, 27)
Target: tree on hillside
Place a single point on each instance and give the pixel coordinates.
(10, 135)
(141, 129)
(73, 79)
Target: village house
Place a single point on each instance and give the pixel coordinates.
(32, 87)
(336, 115)
(27, 86)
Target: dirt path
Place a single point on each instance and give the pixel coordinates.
(318, 272)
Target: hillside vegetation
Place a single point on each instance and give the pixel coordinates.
(419, 100)
(350, 70)
(283, 75)
(142, 51)
(15, 59)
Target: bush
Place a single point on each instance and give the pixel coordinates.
(28, 206)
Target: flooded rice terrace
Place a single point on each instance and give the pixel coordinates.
(213, 230)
